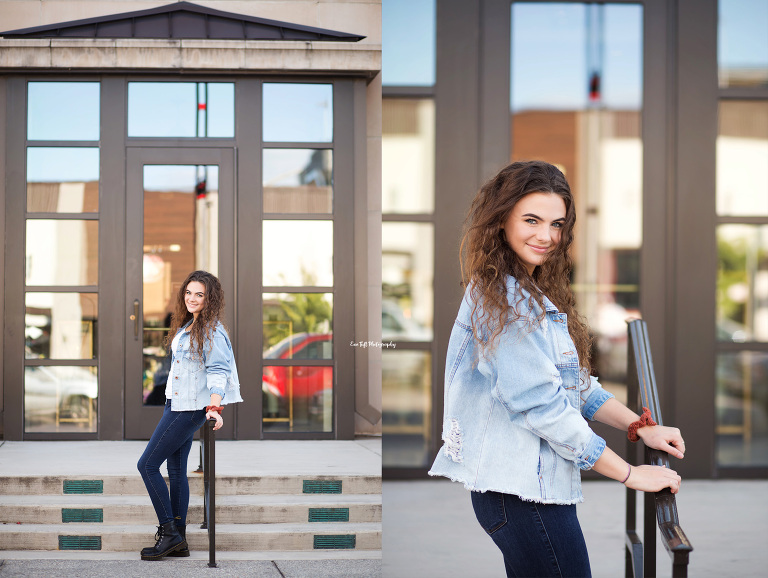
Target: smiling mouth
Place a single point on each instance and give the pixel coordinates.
(538, 249)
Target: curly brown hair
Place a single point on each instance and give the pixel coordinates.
(487, 258)
(211, 313)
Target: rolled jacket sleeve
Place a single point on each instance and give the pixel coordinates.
(594, 397)
(218, 364)
(527, 382)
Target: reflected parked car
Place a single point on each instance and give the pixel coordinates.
(308, 385)
(53, 394)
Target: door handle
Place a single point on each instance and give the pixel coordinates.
(135, 319)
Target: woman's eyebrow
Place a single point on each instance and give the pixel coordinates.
(540, 219)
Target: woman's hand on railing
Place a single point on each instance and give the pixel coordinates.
(653, 479)
(666, 439)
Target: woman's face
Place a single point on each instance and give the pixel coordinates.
(194, 297)
(534, 227)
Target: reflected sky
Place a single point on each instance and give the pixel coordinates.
(408, 42)
(550, 44)
(297, 253)
(743, 33)
(178, 109)
(292, 167)
(298, 112)
(63, 111)
(62, 164)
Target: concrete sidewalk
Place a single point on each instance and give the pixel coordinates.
(430, 530)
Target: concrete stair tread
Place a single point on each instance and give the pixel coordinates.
(107, 500)
(221, 555)
(77, 529)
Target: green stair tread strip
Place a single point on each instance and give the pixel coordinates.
(335, 541)
(321, 486)
(328, 515)
(79, 542)
(83, 486)
(82, 515)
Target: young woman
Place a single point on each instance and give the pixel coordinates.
(518, 384)
(203, 377)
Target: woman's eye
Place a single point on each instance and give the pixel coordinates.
(531, 221)
(558, 225)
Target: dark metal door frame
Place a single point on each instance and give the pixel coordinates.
(140, 420)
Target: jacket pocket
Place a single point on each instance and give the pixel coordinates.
(489, 510)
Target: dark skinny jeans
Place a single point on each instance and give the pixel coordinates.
(171, 441)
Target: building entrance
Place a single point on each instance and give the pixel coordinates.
(180, 218)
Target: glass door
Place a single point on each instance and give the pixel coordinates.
(180, 218)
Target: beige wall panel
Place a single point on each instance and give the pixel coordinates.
(362, 19)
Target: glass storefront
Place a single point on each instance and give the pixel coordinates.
(576, 102)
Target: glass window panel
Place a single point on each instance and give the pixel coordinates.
(407, 274)
(297, 253)
(742, 283)
(408, 155)
(408, 42)
(298, 181)
(742, 47)
(181, 109)
(298, 326)
(181, 232)
(576, 102)
(742, 158)
(407, 406)
(61, 325)
(297, 399)
(62, 252)
(298, 112)
(60, 399)
(742, 408)
(63, 111)
(62, 180)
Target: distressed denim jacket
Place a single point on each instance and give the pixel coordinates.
(515, 421)
(192, 380)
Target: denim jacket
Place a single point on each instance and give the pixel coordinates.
(515, 420)
(192, 380)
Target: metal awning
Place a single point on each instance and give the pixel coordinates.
(182, 20)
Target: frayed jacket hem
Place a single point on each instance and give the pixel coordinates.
(537, 499)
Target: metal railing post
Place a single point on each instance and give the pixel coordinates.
(209, 488)
(659, 508)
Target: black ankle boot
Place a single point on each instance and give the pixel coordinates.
(168, 540)
(181, 552)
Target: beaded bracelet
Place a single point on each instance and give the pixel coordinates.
(216, 408)
(644, 420)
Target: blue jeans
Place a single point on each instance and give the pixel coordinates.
(171, 441)
(537, 540)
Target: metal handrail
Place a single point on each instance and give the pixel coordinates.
(659, 507)
(209, 488)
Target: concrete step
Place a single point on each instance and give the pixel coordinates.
(229, 537)
(225, 485)
(129, 509)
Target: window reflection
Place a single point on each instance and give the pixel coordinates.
(181, 233)
(64, 252)
(742, 158)
(408, 42)
(407, 395)
(61, 325)
(298, 326)
(742, 283)
(181, 109)
(408, 153)
(742, 408)
(742, 43)
(298, 181)
(62, 180)
(298, 112)
(63, 111)
(297, 253)
(298, 398)
(60, 399)
(407, 273)
(576, 103)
